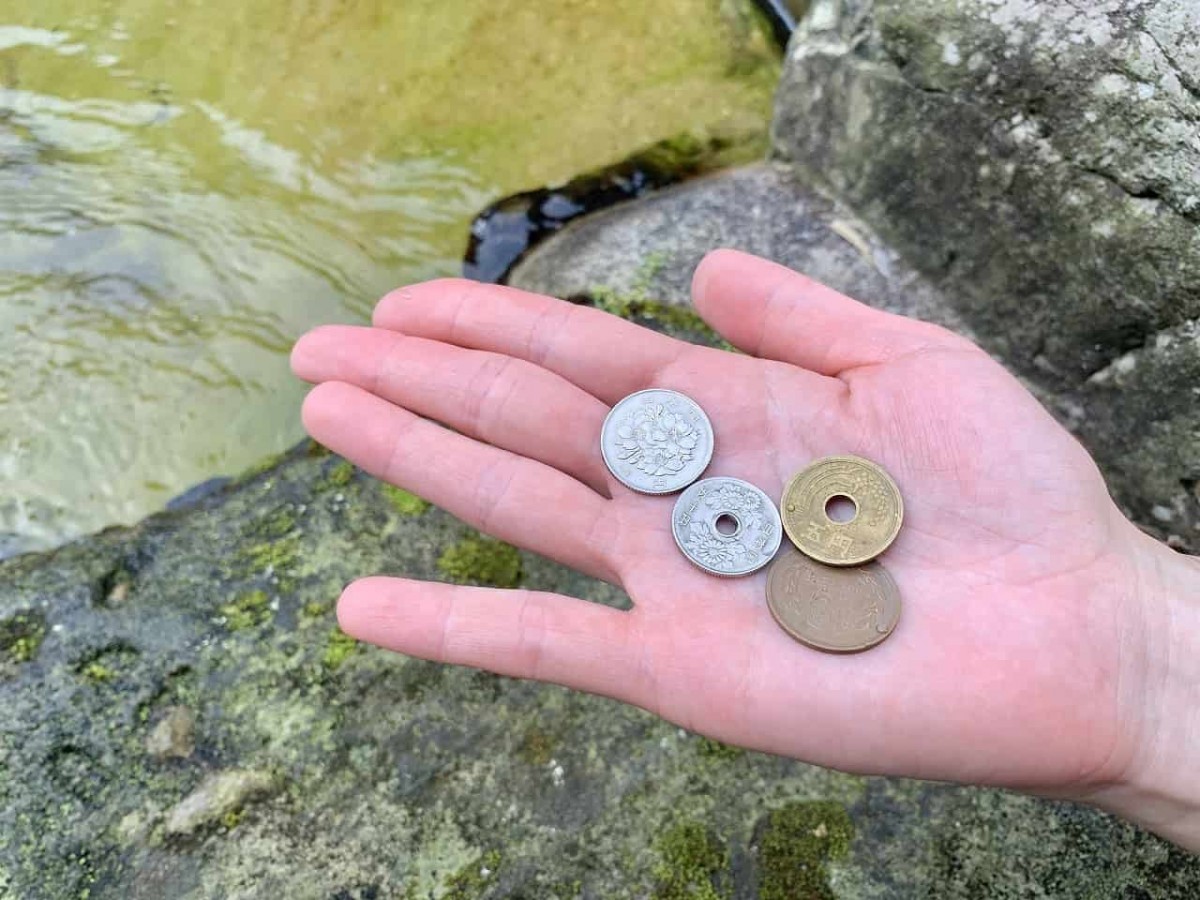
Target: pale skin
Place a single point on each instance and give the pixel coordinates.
(1045, 645)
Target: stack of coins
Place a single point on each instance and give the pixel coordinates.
(825, 591)
(830, 595)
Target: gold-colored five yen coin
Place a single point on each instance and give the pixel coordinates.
(875, 515)
(836, 610)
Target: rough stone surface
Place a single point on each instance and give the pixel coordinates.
(652, 246)
(174, 735)
(323, 769)
(1041, 156)
(1141, 418)
(218, 800)
(1039, 161)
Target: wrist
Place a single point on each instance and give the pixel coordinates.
(1159, 788)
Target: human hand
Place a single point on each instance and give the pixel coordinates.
(1021, 658)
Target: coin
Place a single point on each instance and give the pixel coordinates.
(726, 526)
(656, 441)
(837, 610)
(878, 510)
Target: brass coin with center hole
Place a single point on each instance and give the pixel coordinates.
(869, 530)
(836, 610)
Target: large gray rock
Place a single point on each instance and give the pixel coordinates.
(650, 248)
(1040, 157)
(1039, 162)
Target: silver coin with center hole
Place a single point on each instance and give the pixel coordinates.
(656, 441)
(726, 526)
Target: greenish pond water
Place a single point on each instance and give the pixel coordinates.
(186, 186)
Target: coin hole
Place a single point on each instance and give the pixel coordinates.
(727, 524)
(841, 508)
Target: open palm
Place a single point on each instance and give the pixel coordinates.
(1011, 663)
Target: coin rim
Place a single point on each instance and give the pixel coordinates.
(851, 561)
(712, 442)
(815, 645)
(768, 558)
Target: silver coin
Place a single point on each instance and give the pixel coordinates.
(726, 526)
(656, 441)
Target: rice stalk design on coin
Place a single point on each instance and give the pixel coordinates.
(839, 610)
(726, 526)
(656, 441)
(878, 510)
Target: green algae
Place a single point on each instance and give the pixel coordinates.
(97, 673)
(637, 305)
(21, 636)
(106, 664)
(275, 556)
(796, 844)
(338, 648)
(272, 545)
(693, 864)
(469, 882)
(716, 750)
(480, 560)
(402, 501)
(339, 475)
(315, 609)
(247, 610)
(537, 747)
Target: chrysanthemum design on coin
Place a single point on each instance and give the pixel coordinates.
(656, 441)
(837, 610)
(726, 526)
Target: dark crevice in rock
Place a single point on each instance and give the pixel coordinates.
(1133, 339)
(1139, 192)
(504, 232)
(1189, 84)
(166, 692)
(198, 492)
(115, 586)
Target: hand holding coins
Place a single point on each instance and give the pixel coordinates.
(830, 595)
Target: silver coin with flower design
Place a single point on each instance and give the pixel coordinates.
(726, 526)
(656, 441)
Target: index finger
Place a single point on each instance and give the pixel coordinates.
(601, 353)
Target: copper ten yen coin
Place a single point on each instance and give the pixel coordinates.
(875, 510)
(836, 610)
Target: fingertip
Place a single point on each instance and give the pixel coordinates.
(310, 349)
(388, 305)
(300, 358)
(728, 277)
(354, 607)
(321, 408)
(714, 263)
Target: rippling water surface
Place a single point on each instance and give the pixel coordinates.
(187, 186)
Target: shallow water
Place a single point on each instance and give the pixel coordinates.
(187, 186)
